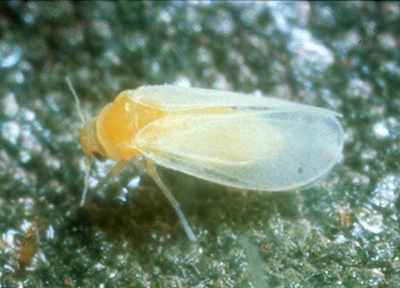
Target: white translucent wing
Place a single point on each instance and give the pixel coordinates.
(174, 98)
(260, 150)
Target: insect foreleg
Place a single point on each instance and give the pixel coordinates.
(88, 162)
(113, 172)
(151, 170)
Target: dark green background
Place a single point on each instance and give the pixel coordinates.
(343, 56)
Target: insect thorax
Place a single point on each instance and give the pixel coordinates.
(119, 122)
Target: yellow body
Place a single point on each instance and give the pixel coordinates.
(109, 135)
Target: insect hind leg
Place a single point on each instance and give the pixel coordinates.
(151, 170)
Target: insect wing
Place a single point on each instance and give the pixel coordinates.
(260, 150)
(174, 98)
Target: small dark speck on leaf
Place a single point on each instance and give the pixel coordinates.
(265, 248)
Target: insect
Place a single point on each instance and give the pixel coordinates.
(233, 139)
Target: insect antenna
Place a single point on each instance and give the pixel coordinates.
(88, 160)
(77, 102)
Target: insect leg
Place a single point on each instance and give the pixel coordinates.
(113, 172)
(151, 170)
(88, 162)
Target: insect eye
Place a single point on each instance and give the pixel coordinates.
(98, 156)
